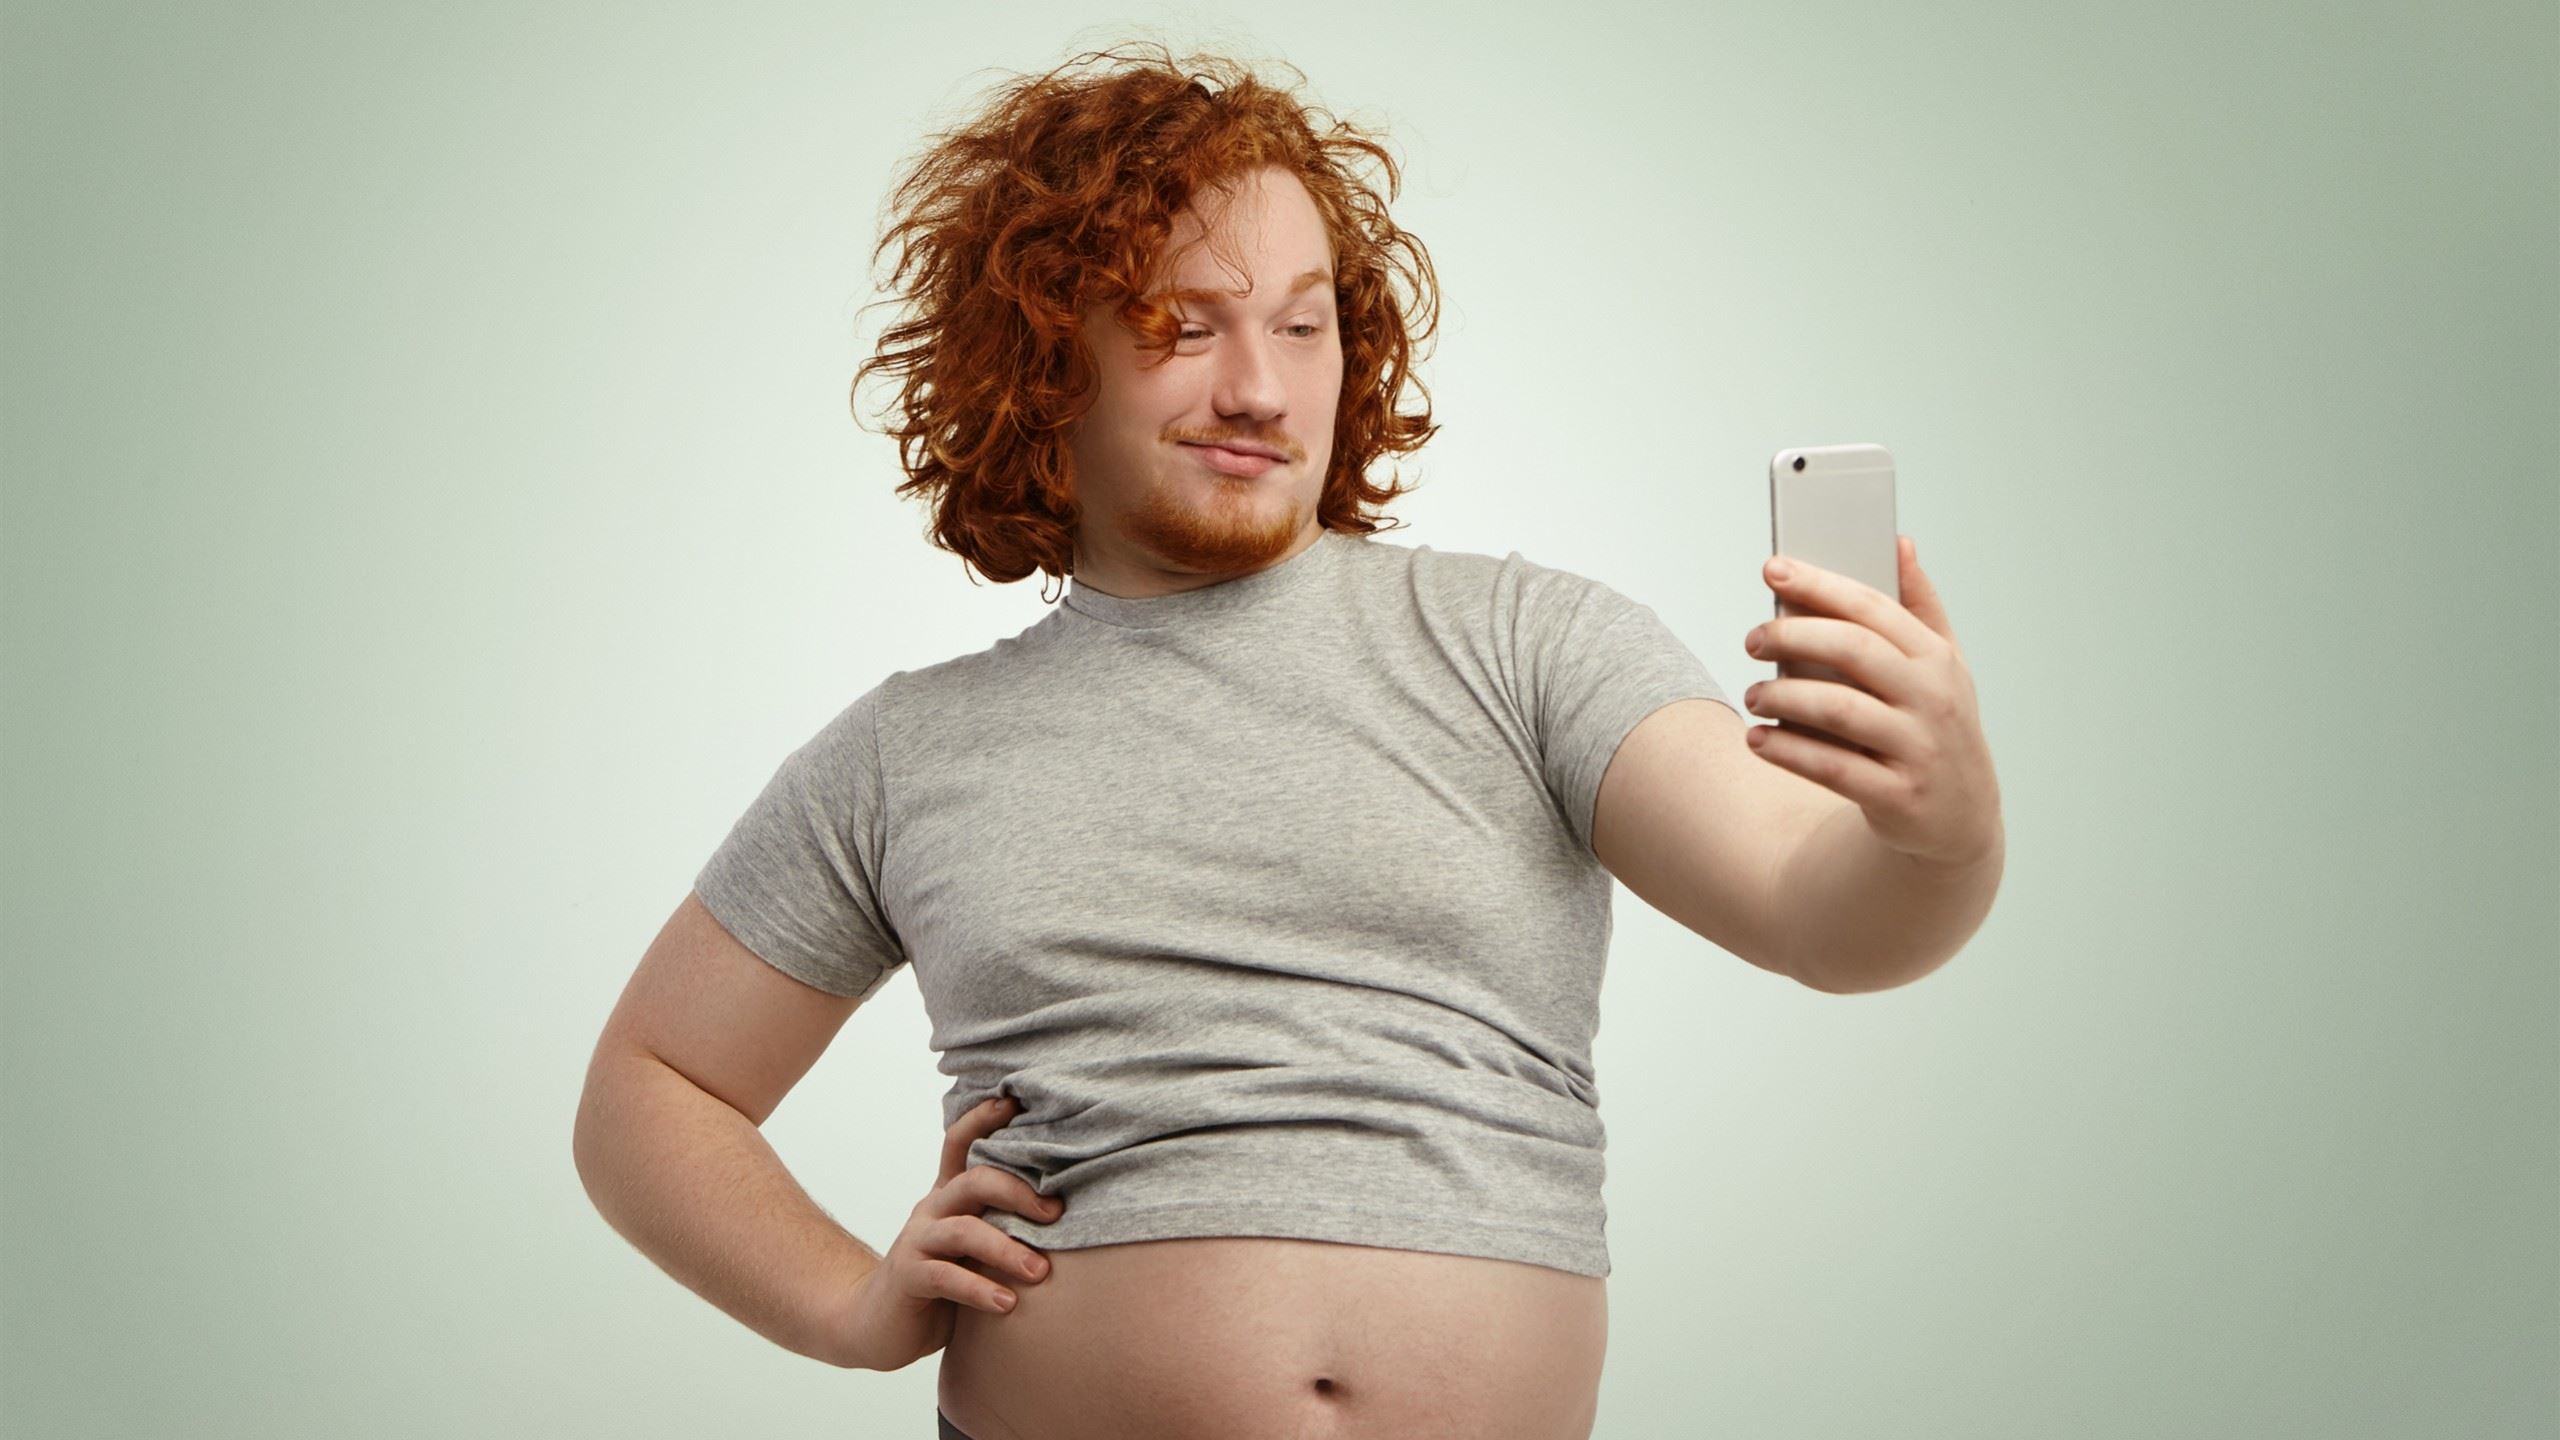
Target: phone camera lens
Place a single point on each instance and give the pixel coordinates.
(1799, 464)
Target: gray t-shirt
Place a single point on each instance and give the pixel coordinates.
(1272, 902)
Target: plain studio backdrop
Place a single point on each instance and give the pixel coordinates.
(435, 505)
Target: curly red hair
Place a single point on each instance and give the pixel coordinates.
(1060, 195)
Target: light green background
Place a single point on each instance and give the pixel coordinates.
(434, 508)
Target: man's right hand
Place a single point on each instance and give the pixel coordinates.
(902, 1310)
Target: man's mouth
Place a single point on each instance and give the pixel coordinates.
(1231, 462)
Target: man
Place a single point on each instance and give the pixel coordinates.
(1269, 874)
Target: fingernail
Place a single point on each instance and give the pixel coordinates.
(1779, 570)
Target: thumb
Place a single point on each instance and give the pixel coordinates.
(982, 1120)
(1918, 595)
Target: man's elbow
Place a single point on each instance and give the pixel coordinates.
(1867, 976)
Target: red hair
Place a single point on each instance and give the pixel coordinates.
(1060, 195)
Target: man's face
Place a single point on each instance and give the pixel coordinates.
(1156, 516)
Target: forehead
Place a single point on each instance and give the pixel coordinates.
(1269, 223)
(1316, 279)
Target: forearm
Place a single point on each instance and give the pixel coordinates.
(694, 1185)
(1863, 916)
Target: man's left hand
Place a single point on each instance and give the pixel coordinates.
(1925, 780)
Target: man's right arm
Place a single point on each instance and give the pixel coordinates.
(703, 1045)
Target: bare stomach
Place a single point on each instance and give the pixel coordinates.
(1252, 1338)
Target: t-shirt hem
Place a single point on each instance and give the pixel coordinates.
(1314, 1220)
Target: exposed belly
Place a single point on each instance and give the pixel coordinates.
(1252, 1338)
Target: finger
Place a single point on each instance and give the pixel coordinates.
(988, 1187)
(1870, 662)
(1810, 587)
(981, 1121)
(1844, 711)
(958, 1282)
(1920, 595)
(991, 1247)
(1003, 1187)
(1842, 771)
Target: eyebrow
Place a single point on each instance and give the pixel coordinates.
(1317, 276)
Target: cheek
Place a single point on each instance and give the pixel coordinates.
(1326, 401)
(1324, 377)
(1153, 399)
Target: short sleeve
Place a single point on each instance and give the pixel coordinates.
(796, 881)
(1589, 664)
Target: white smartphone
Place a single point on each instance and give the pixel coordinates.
(1833, 506)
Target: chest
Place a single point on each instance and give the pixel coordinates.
(1248, 811)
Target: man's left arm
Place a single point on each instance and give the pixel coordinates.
(1860, 915)
(1892, 882)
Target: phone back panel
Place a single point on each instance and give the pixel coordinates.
(1837, 512)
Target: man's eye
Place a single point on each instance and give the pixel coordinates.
(1309, 326)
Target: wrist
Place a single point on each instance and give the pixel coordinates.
(832, 1328)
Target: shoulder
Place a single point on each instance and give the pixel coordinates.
(1512, 574)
